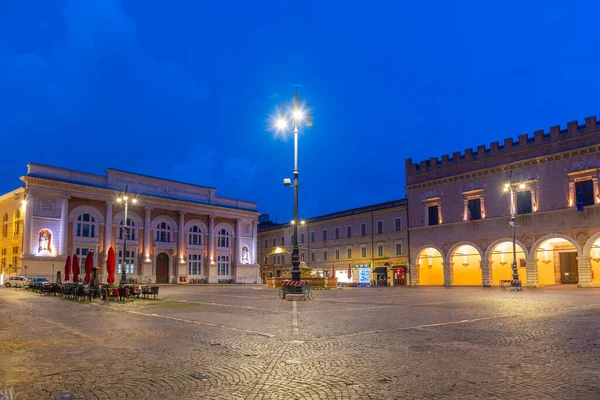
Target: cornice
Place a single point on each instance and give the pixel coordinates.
(505, 167)
(176, 205)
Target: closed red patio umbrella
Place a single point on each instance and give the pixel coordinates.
(89, 264)
(76, 269)
(110, 266)
(349, 271)
(68, 269)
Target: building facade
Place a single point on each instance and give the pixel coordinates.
(176, 231)
(362, 245)
(11, 231)
(459, 211)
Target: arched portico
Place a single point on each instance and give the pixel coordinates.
(500, 257)
(430, 266)
(556, 257)
(465, 259)
(592, 251)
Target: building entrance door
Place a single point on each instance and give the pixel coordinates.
(162, 268)
(568, 267)
(400, 277)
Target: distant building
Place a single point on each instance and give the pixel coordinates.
(11, 232)
(366, 244)
(459, 214)
(177, 231)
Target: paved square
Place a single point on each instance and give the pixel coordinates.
(242, 342)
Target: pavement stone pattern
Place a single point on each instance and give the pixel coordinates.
(379, 343)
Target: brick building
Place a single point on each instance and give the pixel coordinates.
(177, 231)
(459, 214)
(371, 242)
(11, 231)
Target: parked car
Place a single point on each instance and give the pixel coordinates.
(16, 281)
(36, 283)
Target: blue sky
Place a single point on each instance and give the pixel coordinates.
(184, 89)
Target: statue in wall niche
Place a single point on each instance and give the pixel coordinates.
(245, 255)
(44, 239)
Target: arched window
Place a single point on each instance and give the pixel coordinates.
(223, 238)
(163, 232)
(195, 236)
(86, 226)
(5, 225)
(16, 223)
(130, 228)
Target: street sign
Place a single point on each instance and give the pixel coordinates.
(25, 267)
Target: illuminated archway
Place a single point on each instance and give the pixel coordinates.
(556, 261)
(466, 267)
(431, 267)
(501, 258)
(594, 254)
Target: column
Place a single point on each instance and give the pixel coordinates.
(147, 230)
(572, 198)
(486, 273)
(253, 259)
(238, 234)
(531, 272)
(447, 273)
(465, 209)
(64, 217)
(108, 229)
(585, 271)
(414, 277)
(596, 191)
(180, 238)
(210, 252)
(180, 256)
(28, 224)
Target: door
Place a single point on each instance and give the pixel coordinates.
(568, 267)
(162, 268)
(399, 277)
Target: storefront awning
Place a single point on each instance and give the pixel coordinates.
(398, 267)
(379, 270)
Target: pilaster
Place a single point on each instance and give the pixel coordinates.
(448, 267)
(28, 224)
(238, 250)
(486, 273)
(254, 241)
(531, 272)
(212, 265)
(108, 228)
(585, 271)
(64, 217)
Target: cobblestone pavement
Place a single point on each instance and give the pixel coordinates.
(388, 343)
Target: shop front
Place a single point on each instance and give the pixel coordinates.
(380, 275)
(399, 274)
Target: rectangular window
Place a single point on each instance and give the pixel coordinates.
(312, 236)
(302, 238)
(336, 233)
(274, 259)
(584, 193)
(363, 229)
(379, 226)
(283, 258)
(398, 249)
(278, 259)
(524, 205)
(348, 231)
(324, 234)
(283, 241)
(433, 215)
(15, 261)
(474, 209)
(380, 250)
(363, 251)
(398, 224)
(312, 256)
(337, 254)
(266, 243)
(301, 256)
(223, 265)
(15, 249)
(129, 260)
(291, 239)
(194, 264)
(324, 255)
(274, 242)
(349, 253)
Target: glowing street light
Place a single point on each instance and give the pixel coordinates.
(510, 187)
(124, 198)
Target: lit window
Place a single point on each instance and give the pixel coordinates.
(194, 264)
(164, 233)
(223, 264)
(129, 261)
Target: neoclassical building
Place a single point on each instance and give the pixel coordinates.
(177, 231)
(459, 212)
(362, 245)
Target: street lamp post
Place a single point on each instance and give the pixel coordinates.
(510, 187)
(297, 116)
(124, 198)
